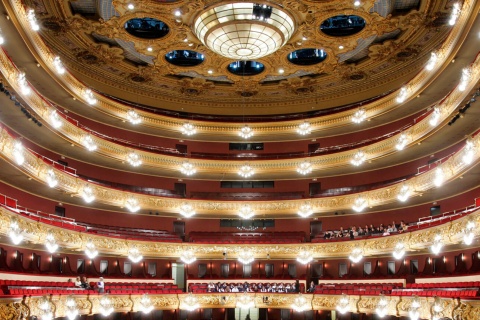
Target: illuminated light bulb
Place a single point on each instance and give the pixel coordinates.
(357, 3)
(188, 257)
(401, 142)
(437, 244)
(246, 212)
(130, 6)
(133, 159)
(402, 95)
(106, 306)
(90, 250)
(359, 116)
(46, 309)
(134, 255)
(246, 257)
(132, 204)
(434, 117)
(55, 119)
(439, 177)
(187, 210)
(404, 193)
(305, 168)
(15, 233)
(246, 132)
(305, 257)
(245, 301)
(468, 152)
(22, 82)
(300, 304)
(305, 210)
(177, 13)
(399, 251)
(188, 129)
(359, 204)
(50, 243)
(87, 194)
(89, 143)
(432, 61)
(382, 306)
(2, 39)
(356, 255)
(18, 153)
(32, 20)
(133, 117)
(358, 158)
(304, 128)
(188, 169)
(465, 79)
(89, 97)
(57, 63)
(454, 15)
(71, 310)
(51, 178)
(246, 171)
(190, 303)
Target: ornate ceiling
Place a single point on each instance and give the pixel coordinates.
(392, 48)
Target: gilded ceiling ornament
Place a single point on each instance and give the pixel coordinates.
(195, 86)
(299, 85)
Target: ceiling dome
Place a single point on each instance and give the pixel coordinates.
(244, 30)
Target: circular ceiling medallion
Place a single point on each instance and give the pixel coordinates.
(146, 28)
(184, 58)
(342, 25)
(307, 57)
(246, 68)
(244, 30)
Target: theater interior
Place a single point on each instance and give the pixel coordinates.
(232, 160)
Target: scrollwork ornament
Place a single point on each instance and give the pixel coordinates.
(14, 311)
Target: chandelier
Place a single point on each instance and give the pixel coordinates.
(134, 255)
(71, 310)
(382, 306)
(52, 180)
(18, 153)
(246, 132)
(187, 210)
(146, 304)
(246, 171)
(133, 117)
(244, 30)
(399, 251)
(468, 152)
(188, 129)
(439, 177)
(358, 158)
(55, 119)
(305, 257)
(466, 73)
(356, 255)
(414, 310)
(87, 194)
(305, 210)
(434, 117)
(305, 168)
(89, 143)
(188, 169)
(57, 63)
(246, 212)
(190, 303)
(22, 82)
(89, 97)
(50, 243)
(359, 204)
(437, 244)
(343, 305)
(246, 257)
(15, 233)
(401, 142)
(32, 20)
(432, 61)
(404, 193)
(300, 304)
(402, 95)
(90, 250)
(188, 257)
(132, 204)
(106, 306)
(304, 128)
(469, 233)
(134, 159)
(359, 116)
(46, 308)
(245, 301)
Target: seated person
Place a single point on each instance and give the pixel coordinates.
(100, 285)
(311, 289)
(211, 287)
(78, 282)
(262, 288)
(85, 284)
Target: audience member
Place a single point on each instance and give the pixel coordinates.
(100, 285)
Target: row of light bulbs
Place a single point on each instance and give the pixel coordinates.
(246, 131)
